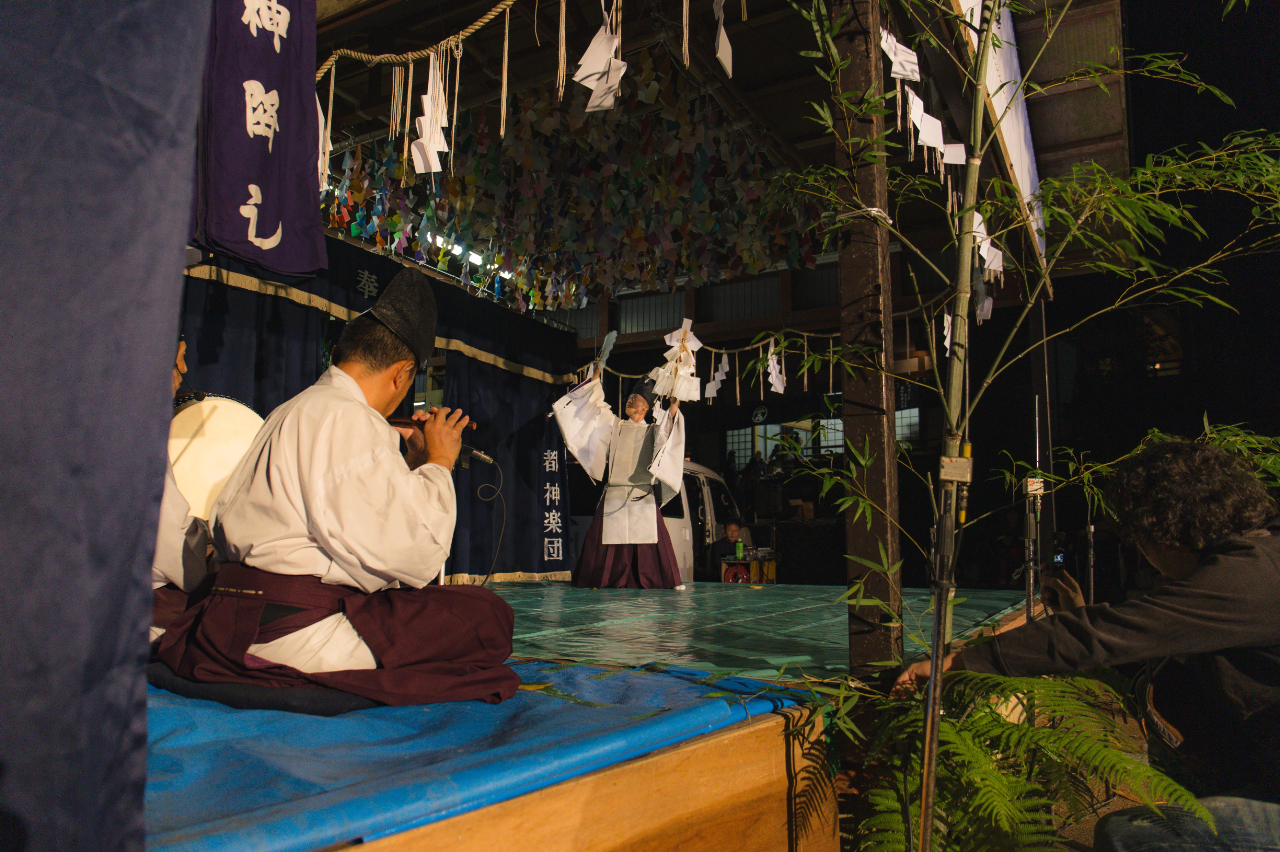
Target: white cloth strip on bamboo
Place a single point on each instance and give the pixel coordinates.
(906, 65)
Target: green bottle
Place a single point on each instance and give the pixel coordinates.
(739, 549)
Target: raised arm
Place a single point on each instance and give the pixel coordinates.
(587, 424)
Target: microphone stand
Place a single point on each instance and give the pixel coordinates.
(1089, 546)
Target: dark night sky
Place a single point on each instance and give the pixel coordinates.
(1230, 363)
(1229, 368)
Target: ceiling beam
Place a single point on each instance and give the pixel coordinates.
(784, 85)
(736, 102)
(815, 141)
(1082, 148)
(1054, 90)
(1081, 10)
(761, 21)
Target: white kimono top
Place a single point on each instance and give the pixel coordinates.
(324, 491)
(645, 461)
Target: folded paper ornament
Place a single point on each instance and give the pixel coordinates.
(722, 373)
(906, 65)
(724, 50)
(676, 377)
(430, 144)
(600, 71)
(777, 381)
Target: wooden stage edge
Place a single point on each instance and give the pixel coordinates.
(1011, 620)
(762, 785)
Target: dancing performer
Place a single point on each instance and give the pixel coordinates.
(627, 545)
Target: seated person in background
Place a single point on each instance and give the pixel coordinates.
(725, 548)
(181, 557)
(1210, 635)
(329, 539)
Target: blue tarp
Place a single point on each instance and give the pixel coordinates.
(279, 782)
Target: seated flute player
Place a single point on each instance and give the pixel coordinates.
(1209, 636)
(329, 539)
(181, 558)
(627, 544)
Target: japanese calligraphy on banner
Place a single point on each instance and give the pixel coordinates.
(553, 502)
(256, 194)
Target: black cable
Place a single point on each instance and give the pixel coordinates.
(497, 494)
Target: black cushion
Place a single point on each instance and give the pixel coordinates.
(314, 701)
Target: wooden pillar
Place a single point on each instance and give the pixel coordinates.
(866, 319)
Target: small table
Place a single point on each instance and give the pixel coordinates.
(756, 571)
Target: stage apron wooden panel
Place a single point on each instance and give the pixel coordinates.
(758, 786)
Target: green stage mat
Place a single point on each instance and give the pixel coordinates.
(754, 631)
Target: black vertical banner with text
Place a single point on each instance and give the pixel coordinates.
(258, 188)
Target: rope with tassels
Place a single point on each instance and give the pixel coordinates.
(453, 125)
(502, 109)
(397, 95)
(328, 121)
(759, 348)
(408, 113)
(684, 49)
(560, 71)
(453, 42)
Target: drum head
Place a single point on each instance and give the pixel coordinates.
(207, 440)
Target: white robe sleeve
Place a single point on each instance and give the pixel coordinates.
(373, 515)
(181, 541)
(668, 454)
(587, 424)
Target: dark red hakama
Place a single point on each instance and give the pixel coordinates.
(167, 605)
(626, 566)
(434, 644)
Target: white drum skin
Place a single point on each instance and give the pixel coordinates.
(207, 440)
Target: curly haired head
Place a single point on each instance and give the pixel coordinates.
(1185, 494)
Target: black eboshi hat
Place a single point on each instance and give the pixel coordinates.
(408, 308)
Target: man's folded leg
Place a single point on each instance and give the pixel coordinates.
(438, 643)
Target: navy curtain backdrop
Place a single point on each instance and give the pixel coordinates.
(98, 107)
(263, 349)
(258, 349)
(515, 430)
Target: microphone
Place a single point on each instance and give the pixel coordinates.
(469, 453)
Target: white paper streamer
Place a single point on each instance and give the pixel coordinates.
(777, 381)
(713, 386)
(676, 377)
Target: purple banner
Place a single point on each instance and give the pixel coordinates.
(258, 189)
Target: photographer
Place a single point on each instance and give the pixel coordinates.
(1209, 634)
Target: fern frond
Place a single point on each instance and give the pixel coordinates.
(999, 781)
